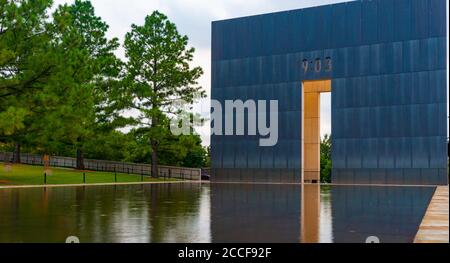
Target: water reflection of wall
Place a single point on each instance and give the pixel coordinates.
(255, 213)
(393, 214)
(310, 213)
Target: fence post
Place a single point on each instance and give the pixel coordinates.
(84, 178)
(45, 178)
(115, 175)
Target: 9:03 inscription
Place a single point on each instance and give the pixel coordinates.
(317, 65)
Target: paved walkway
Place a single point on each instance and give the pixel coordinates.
(434, 226)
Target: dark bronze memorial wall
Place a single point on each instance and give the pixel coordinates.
(386, 60)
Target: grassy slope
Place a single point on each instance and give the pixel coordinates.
(21, 174)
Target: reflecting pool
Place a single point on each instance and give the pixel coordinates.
(213, 213)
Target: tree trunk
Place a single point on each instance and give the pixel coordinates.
(80, 159)
(16, 154)
(154, 159)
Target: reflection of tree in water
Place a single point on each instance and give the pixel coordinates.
(25, 216)
(134, 213)
(171, 207)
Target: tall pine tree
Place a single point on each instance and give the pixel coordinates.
(158, 73)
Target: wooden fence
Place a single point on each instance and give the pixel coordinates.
(108, 166)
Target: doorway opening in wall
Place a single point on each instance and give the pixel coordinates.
(313, 93)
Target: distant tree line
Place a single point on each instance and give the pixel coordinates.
(63, 90)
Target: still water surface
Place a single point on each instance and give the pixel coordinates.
(212, 213)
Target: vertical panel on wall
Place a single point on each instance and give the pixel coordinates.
(403, 153)
(216, 152)
(365, 122)
(364, 60)
(338, 153)
(371, 90)
(437, 17)
(411, 55)
(241, 150)
(337, 130)
(352, 62)
(253, 154)
(325, 19)
(281, 25)
(309, 28)
(384, 156)
(348, 119)
(294, 158)
(382, 91)
(375, 59)
(402, 19)
(228, 155)
(317, 34)
(340, 61)
(386, 58)
(429, 53)
(435, 150)
(267, 33)
(395, 121)
(339, 86)
(364, 94)
(397, 61)
(339, 26)
(420, 18)
(432, 120)
(298, 31)
(216, 41)
(420, 155)
(419, 90)
(280, 156)
(267, 155)
(405, 88)
(353, 23)
(424, 90)
(369, 22)
(354, 159)
(386, 20)
(443, 117)
(370, 153)
(419, 115)
(441, 62)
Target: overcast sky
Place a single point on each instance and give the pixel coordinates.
(193, 18)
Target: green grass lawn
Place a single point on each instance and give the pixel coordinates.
(21, 174)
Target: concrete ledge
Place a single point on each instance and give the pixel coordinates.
(434, 226)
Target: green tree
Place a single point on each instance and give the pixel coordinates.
(26, 64)
(84, 102)
(158, 73)
(325, 159)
